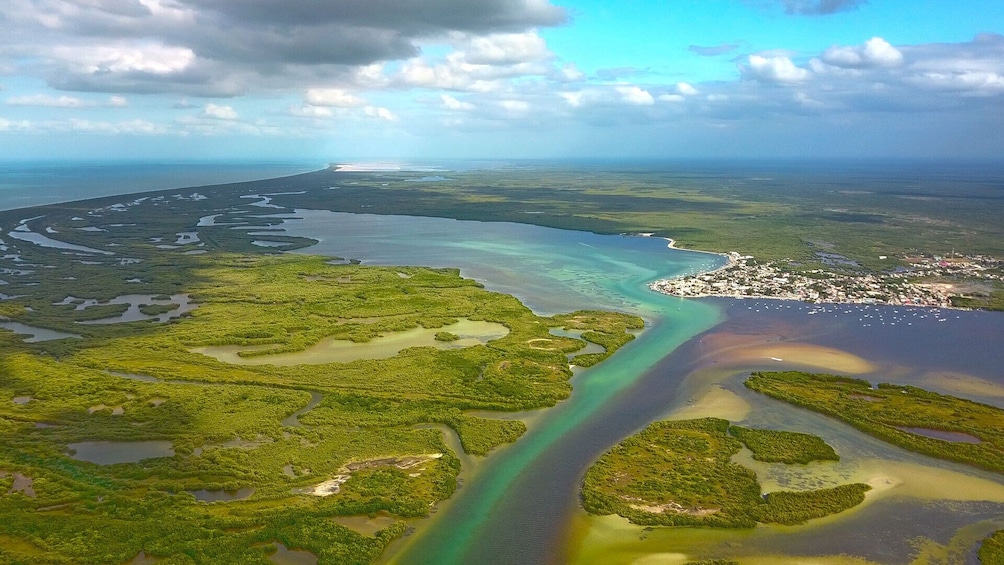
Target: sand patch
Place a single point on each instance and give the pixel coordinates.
(674, 508)
(744, 350)
(962, 384)
(887, 478)
(717, 402)
(334, 484)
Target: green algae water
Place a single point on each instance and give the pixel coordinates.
(517, 507)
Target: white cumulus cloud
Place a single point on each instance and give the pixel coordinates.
(308, 111)
(47, 101)
(515, 106)
(148, 59)
(218, 112)
(335, 97)
(452, 103)
(505, 49)
(773, 70)
(635, 95)
(876, 52)
(685, 89)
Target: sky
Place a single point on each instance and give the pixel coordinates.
(341, 80)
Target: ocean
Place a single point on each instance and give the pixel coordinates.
(24, 184)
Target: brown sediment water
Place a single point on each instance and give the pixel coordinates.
(730, 349)
(332, 350)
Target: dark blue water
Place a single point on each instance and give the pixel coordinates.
(31, 183)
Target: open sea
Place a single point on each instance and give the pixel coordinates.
(30, 183)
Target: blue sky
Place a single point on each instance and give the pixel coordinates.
(339, 80)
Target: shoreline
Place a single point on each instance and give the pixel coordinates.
(743, 277)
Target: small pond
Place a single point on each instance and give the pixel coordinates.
(111, 452)
(221, 495)
(331, 350)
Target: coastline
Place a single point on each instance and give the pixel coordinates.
(743, 277)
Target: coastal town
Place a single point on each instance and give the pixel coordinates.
(931, 281)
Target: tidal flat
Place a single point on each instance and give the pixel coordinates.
(948, 507)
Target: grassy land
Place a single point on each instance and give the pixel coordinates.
(228, 424)
(992, 550)
(367, 414)
(889, 412)
(680, 473)
(773, 446)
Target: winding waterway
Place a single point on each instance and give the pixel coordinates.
(516, 508)
(521, 504)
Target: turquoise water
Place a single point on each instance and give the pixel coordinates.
(516, 508)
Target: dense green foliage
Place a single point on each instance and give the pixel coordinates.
(773, 446)
(895, 414)
(241, 427)
(992, 549)
(224, 421)
(478, 436)
(993, 301)
(680, 473)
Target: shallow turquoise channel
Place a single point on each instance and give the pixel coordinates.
(551, 271)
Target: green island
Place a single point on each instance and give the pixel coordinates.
(926, 422)
(129, 433)
(680, 473)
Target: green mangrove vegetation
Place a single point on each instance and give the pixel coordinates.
(775, 446)
(306, 444)
(926, 422)
(356, 453)
(680, 473)
(992, 549)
